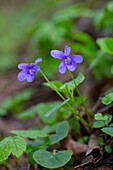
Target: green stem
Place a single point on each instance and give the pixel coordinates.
(64, 99)
(81, 98)
(52, 85)
(107, 115)
(16, 160)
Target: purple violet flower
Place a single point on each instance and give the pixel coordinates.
(69, 62)
(28, 70)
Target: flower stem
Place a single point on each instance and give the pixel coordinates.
(81, 98)
(16, 160)
(52, 86)
(74, 111)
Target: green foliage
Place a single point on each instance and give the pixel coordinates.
(41, 109)
(61, 129)
(61, 112)
(83, 139)
(101, 141)
(108, 149)
(54, 160)
(79, 100)
(109, 91)
(70, 85)
(44, 108)
(102, 121)
(108, 130)
(74, 122)
(85, 45)
(15, 102)
(15, 145)
(99, 116)
(112, 69)
(56, 84)
(32, 134)
(107, 99)
(55, 108)
(104, 18)
(106, 44)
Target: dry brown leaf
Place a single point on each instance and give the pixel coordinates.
(94, 150)
(75, 147)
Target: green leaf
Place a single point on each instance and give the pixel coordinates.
(98, 116)
(111, 125)
(98, 124)
(102, 123)
(80, 78)
(14, 102)
(107, 99)
(61, 129)
(75, 124)
(56, 84)
(108, 130)
(79, 100)
(3, 111)
(101, 141)
(106, 44)
(33, 134)
(29, 113)
(108, 149)
(112, 69)
(15, 145)
(55, 108)
(109, 91)
(48, 160)
(83, 139)
(41, 109)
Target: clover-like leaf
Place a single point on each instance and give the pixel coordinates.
(98, 116)
(52, 161)
(107, 99)
(102, 122)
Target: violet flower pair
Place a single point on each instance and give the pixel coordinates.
(68, 62)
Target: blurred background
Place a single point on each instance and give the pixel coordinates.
(31, 29)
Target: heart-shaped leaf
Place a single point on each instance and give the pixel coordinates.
(55, 160)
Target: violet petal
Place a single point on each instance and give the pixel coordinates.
(77, 58)
(38, 60)
(62, 67)
(30, 78)
(22, 75)
(67, 50)
(57, 54)
(71, 66)
(23, 66)
(36, 68)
